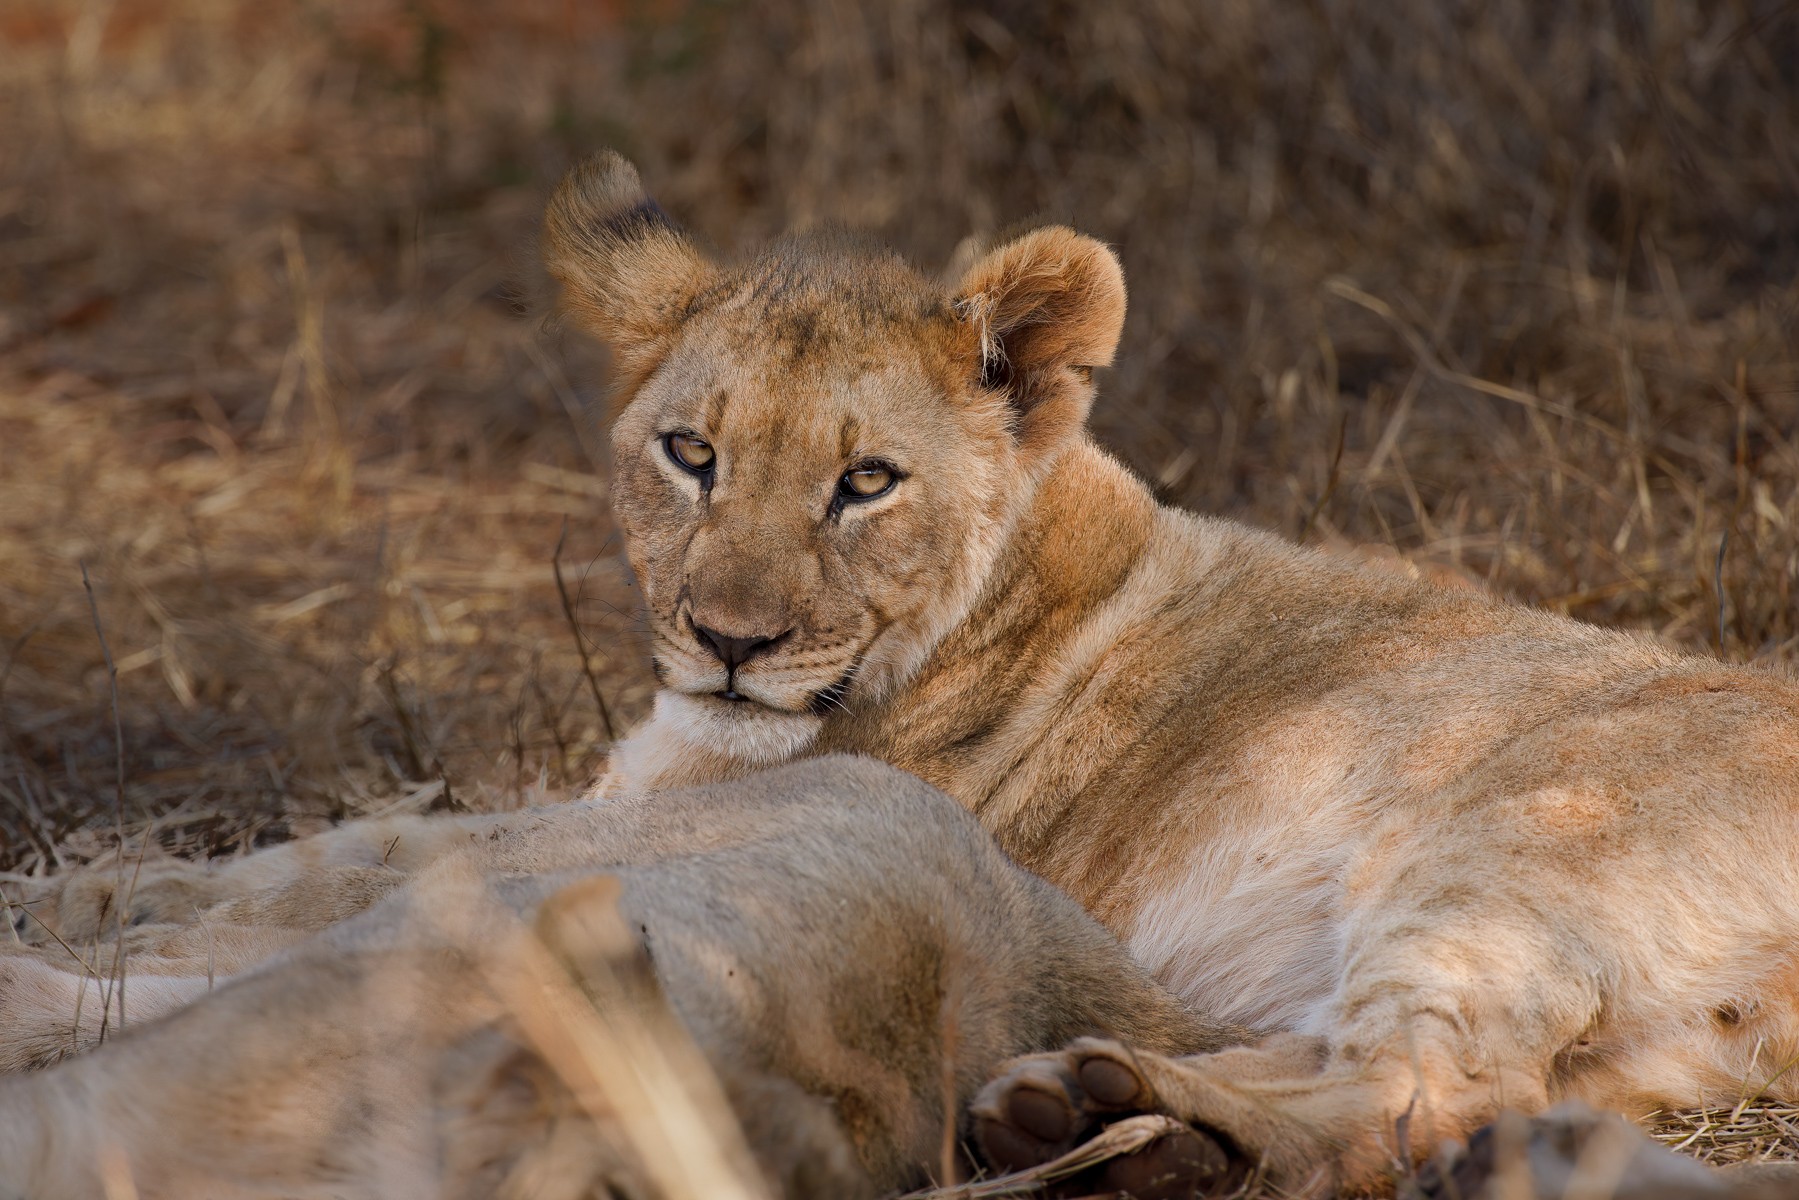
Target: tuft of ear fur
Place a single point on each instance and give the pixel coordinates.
(1047, 307)
(629, 273)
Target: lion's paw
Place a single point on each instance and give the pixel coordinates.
(91, 903)
(1043, 1106)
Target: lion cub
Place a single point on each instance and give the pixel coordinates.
(1446, 852)
(845, 945)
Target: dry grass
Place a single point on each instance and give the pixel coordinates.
(1509, 288)
(1115, 1140)
(1753, 1131)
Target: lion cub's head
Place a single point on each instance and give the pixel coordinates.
(819, 452)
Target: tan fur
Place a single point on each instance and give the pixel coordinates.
(1478, 852)
(1468, 852)
(842, 942)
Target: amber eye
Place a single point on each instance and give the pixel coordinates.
(689, 452)
(866, 481)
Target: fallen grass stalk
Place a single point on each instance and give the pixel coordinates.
(574, 628)
(1118, 1139)
(630, 1065)
(115, 978)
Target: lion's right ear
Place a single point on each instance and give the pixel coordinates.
(1045, 309)
(629, 273)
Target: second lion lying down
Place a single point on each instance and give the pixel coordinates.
(843, 942)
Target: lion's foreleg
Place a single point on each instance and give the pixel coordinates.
(1432, 1031)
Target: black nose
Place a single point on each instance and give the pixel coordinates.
(734, 651)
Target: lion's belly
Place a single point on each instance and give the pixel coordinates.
(1246, 935)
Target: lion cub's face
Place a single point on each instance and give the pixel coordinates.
(820, 451)
(809, 498)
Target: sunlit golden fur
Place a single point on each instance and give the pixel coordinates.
(1473, 851)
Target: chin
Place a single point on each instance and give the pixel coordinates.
(739, 729)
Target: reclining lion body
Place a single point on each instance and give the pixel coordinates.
(1257, 765)
(844, 944)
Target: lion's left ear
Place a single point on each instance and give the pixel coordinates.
(1047, 307)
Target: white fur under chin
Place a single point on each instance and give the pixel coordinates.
(695, 739)
(749, 732)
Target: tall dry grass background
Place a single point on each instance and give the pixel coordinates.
(1509, 287)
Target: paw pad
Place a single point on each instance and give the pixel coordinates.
(1042, 1115)
(1047, 1105)
(1111, 1082)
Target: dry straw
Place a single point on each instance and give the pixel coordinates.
(1747, 1133)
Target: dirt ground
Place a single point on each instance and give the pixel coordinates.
(1509, 290)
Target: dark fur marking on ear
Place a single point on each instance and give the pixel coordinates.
(637, 222)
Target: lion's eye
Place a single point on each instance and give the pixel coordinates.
(866, 481)
(689, 452)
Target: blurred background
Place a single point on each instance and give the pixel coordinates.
(1501, 291)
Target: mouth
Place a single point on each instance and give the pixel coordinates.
(730, 696)
(822, 703)
(731, 699)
